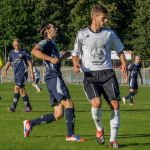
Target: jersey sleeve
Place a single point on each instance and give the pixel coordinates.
(116, 43)
(77, 46)
(28, 55)
(41, 45)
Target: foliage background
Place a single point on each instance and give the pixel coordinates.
(23, 18)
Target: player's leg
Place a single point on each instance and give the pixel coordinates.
(62, 95)
(47, 118)
(114, 123)
(20, 81)
(25, 99)
(16, 98)
(35, 84)
(131, 87)
(133, 92)
(111, 89)
(92, 91)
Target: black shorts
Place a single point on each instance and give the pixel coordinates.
(20, 79)
(57, 90)
(133, 83)
(108, 87)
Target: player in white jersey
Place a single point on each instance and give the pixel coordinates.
(94, 45)
(36, 79)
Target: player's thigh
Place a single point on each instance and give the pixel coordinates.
(58, 89)
(93, 91)
(111, 89)
(20, 80)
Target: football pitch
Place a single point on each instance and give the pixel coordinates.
(134, 133)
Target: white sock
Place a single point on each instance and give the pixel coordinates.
(114, 124)
(97, 116)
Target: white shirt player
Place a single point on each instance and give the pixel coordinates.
(95, 48)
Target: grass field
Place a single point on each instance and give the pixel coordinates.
(134, 133)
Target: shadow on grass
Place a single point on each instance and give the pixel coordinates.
(133, 144)
(134, 135)
(135, 110)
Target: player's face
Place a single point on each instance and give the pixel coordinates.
(52, 31)
(16, 46)
(101, 20)
(137, 59)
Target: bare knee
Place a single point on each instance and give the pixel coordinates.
(114, 105)
(16, 89)
(96, 102)
(58, 114)
(67, 103)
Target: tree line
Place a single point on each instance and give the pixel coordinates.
(23, 19)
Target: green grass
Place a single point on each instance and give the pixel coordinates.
(134, 133)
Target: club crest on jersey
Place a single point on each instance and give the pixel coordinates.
(98, 56)
(20, 56)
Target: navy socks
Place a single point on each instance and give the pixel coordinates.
(16, 99)
(43, 119)
(70, 118)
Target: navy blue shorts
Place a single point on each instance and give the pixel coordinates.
(133, 83)
(20, 80)
(57, 90)
(109, 88)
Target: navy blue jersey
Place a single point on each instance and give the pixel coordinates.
(48, 47)
(19, 59)
(134, 70)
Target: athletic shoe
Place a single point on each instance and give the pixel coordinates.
(75, 138)
(124, 100)
(131, 104)
(100, 137)
(37, 87)
(113, 145)
(27, 128)
(11, 109)
(28, 109)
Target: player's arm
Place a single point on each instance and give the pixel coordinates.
(36, 51)
(140, 74)
(76, 64)
(76, 53)
(123, 65)
(8, 64)
(30, 66)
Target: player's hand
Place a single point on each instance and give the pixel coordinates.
(54, 60)
(76, 68)
(65, 55)
(4, 74)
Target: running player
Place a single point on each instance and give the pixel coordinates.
(94, 45)
(134, 70)
(19, 59)
(36, 79)
(59, 94)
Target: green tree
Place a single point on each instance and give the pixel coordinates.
(141, 29)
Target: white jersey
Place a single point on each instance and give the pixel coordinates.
(95, 48)
(36, 73)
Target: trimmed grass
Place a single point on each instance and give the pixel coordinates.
(134, 133)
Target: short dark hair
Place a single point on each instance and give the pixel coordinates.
(97, 9)
(43, 32)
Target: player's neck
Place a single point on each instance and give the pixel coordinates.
(95, 29)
